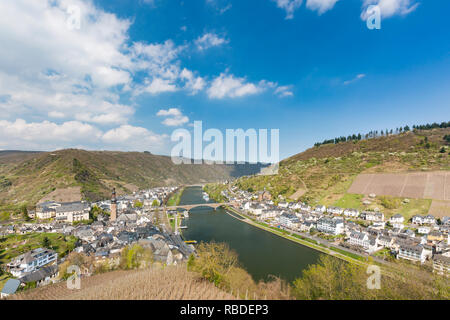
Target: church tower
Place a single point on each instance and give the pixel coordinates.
(113, 206)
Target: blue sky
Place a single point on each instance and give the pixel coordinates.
(136, 70)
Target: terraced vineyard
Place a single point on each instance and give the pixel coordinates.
(170, 283)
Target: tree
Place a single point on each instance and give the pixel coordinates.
(46, 243)
(136, 256)
(25, 215)
(138, 204)
(155, 203)
(442, 150)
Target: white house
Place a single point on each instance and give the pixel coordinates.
(351, 213)
(359, 239)
(320, 208)
(417, 219)
(424, 230)
(397, 218)
(335, 210)
(331, 226)
(31, 261)
(283, 204)
(372, 216)
(289, 220)
(413, 252)
(429, 219)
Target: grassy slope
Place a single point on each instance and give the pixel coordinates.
(329, 170)
(96, 172)
(14, 245)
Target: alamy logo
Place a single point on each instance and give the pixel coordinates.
(238, 146)
(74, 280)
(374, 280)
(373, 17)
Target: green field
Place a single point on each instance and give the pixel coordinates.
(350, 201)
(14, 245)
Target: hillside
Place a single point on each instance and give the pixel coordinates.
(92, 174)
(170, 283)
(323, 174)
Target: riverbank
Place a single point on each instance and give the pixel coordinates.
(302, 240)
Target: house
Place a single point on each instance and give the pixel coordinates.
(423, 230)
(31, 261)
(435, 236)
(9, 288)
(417, 219)
(127, 218)
(307, 226)
(127, 237)
(256, 209)
(399, 226)
(289, 220)
(351, 213)
(43, 276)
(359, 239)
(330, 226)
(378, 225)
(363, 240)
(429, 219)
(320, 208)
(445, 220)
(335, 210)
(413, 252)
(283, 204)
(85, 234)
(305, 207)
(385, 241)
(72, 211)
(397, 218)
(45, 213)
(372, 216)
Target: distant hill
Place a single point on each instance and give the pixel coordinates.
(30, 177)
(323, 174)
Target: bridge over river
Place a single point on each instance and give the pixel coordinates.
(198, 205)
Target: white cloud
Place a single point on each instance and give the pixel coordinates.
(209, 40)
(48, 69)
(284, 91)
(49, 136)
(390, 8)
(289, 6)
(228, 86)
(175, 117)
(193, 84)
(220, 7)
(356, 78)
(320, 6)
(134, 138)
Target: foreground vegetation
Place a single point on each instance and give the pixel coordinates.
(330, 278)
(215, 273)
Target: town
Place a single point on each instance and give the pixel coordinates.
(422, 240)
(123, 220)
(104, 228)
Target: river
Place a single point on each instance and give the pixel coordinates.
(260, 252)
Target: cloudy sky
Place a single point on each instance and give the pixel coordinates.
(129, 72)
